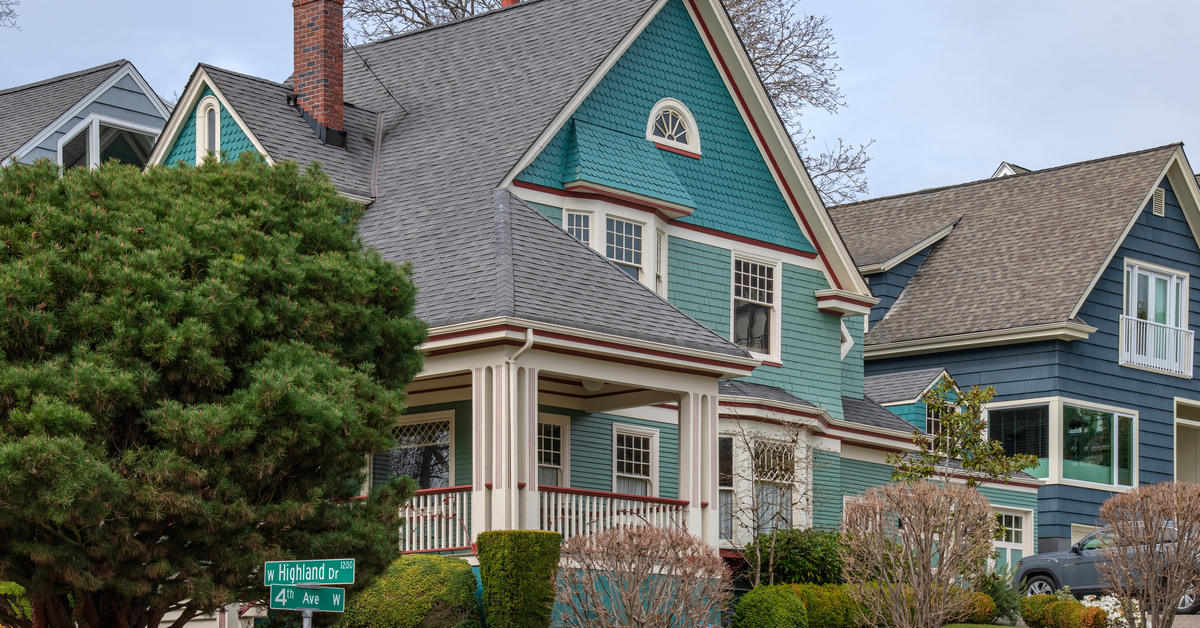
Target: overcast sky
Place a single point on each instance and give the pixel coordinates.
(947, 88)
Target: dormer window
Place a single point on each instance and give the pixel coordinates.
(208, 129)
(672, 127)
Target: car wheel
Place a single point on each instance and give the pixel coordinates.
(1189, 603)
(1039, 585)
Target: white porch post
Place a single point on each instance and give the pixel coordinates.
(691, 414)
(709, 492)
(510, 414)
(528, 418)
(481, 449)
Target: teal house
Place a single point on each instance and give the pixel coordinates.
(632, 287)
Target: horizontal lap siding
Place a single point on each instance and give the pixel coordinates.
(699, 282)
(1017, 371)
(887, 286)
(914, 413)
(1061, 505)
(123, 101)
(592, 453)
(859, 475)
(827, 490)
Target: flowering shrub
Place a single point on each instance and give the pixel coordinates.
(1112, 608)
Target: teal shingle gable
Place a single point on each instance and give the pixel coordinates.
(600, 155)
(731, 185)
(234, 140)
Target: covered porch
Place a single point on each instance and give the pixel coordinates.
(546, 430)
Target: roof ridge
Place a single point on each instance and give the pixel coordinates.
(1009, 177)
(434, 27)
(63, 77)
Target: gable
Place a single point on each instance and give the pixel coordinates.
(234, 140)
(730, 185)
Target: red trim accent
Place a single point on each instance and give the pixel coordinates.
(520, 485)
(875, 447)
(580, 354)
(475, 332)
(444, 549)
(779, 171)
(697, 228)
(466, 488)
(608, 193)
(777, 364)
(759, 406)
(635, 498)
(704, 504)
(843, 298)
(728, 553)
(488, 486)
(669, 406)
(678, 151)
(433, 390)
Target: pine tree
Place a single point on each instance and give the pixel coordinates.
(193, 363)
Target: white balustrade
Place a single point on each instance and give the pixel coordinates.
(572, 512)
(436, 520)
(1156, 346)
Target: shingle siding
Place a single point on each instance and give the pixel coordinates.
(592, 452)
(234, 140)
(887, 286)
(699, 280)
(852, 364)
(549, 211)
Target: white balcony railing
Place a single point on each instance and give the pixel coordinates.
(572, 512)
(437, 519)
(1156, 346)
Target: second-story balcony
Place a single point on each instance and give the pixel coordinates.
(1156, 346)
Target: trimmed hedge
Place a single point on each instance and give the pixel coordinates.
(518, 569)
(983, 609)
(802, 556)
(828, 605)
(1044, 611)
(417, 590)
(777, 606)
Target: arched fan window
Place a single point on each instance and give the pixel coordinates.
(672, 126)
(208, 129)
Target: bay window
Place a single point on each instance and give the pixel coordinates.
(1154, 325)
(1097, 446)
(1075, 442)
(1023, 431)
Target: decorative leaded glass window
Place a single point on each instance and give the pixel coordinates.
(774, 475)
(423, 453)
(725, 484)
(753, 304)
(623, 245)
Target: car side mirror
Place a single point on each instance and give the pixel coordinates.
(1075, 549)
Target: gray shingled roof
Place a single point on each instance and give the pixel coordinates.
(903, 386)
(27, 109)
(1024, 253)
(866, 412)
(738, 388)
(263, 105)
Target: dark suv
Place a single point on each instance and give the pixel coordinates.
(1077, 568)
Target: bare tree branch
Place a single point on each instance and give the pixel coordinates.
(374, 19)
(8, 14)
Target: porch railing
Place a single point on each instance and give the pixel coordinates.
(1156, 346)
(437, 519)
(572, 512)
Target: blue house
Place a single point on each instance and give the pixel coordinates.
(83, 118)
(1068, 289)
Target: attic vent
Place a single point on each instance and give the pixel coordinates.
(1160, 196)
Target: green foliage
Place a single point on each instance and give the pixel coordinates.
(418, 590)
(1000, 588)
(770, 606)
(194, 363)
(828, 605)
(983, 609)
(1044, 611)
(518, 569)
(13, 602)
(963, 439)
(1033, 610)
(802, 556)
(1063, 594)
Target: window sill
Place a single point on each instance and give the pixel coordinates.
(1090, 485)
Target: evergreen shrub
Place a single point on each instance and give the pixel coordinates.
(1045, 611)
(417, 590)
(1006, 596)
(801, 556)
(983, 609)
(771, 606)
(518, 569)
(828, 605)
(1033, 610)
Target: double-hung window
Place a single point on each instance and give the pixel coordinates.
(550, 454)
(579, 225)
(422, 452)
(623, 245)
(725, 485)
(1154, 326)
(1010, 544)
(753, 305)
(774, 476)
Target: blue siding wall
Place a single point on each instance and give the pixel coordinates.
(827, 490)
(549, 211)
(699, 280)
(592, 452)
(730, 185)
(234, 140)
(914, 413)
(888, 286)
(123, 101)
(852, 364)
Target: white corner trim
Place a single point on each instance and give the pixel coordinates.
(848, 343)
(187, 107)
(681, 110)
(885, 266)
(1068, 330)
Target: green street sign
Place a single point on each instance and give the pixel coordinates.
(333, 571)
(286, 597)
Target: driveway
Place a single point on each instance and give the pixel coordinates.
(1187, 621)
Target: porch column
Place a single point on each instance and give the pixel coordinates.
(527, 405)
(510, 414)
(481, 449)
(691, 419)
(711, 529)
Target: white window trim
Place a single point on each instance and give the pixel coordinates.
(91, 125)
(847, 339)
(660, 262)
(776, 309)
(1127, 298)
(206, 103)
(637, 430)
(602, 247)
(591, 224)
(1056, 439)
(1027, 531)
(681, 110)
(1162, 270)
(434, 417)
(565, 424)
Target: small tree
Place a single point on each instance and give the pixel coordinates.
(1155, 529)
(914, 550)
(960, 445)
(772, 471)
(644, 577)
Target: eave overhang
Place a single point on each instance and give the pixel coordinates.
(883, 267)
(668, 209)
(844, 302)
(1069, 330)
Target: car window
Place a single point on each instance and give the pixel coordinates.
(1097, 540)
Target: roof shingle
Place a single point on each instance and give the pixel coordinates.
(903, 386)
(27, 109)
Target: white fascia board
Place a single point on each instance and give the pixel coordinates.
(778, 141)
(1034, 333)
(149, 92)
(185, 107)
(821, 419)
(589, 342)
(883, 267)
(117, 75)
(879, 436)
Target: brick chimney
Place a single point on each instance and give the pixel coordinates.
(317, 60)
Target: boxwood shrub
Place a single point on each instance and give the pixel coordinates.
(828, 605)
(518, 569)
(983, 609)
(417, 590)
(1044, 611)
(774, 606)
(801, 556)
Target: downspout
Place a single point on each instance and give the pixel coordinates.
(514, 460)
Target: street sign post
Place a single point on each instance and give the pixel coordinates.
(335, 571)
(287, 597)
